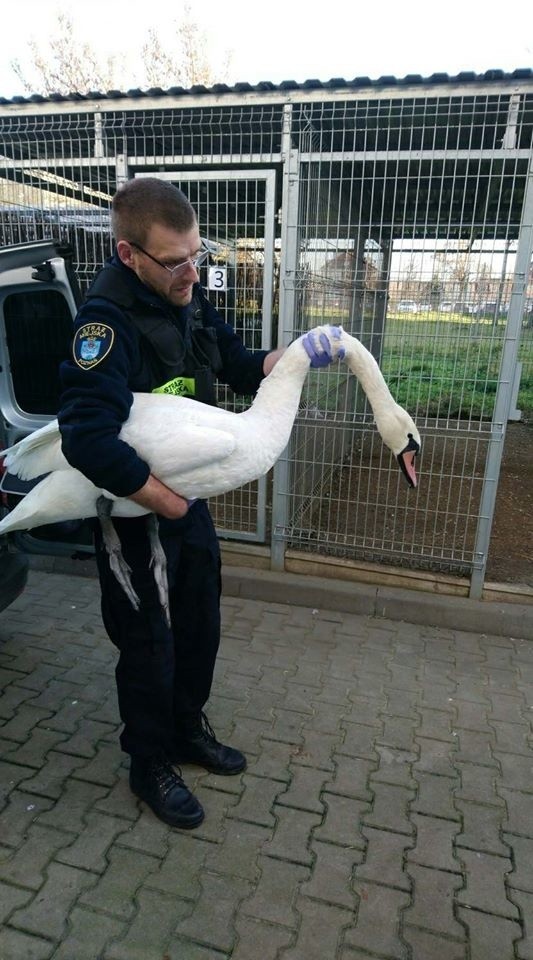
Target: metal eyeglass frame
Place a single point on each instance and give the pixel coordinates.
(195, 261)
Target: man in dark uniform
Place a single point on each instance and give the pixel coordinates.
(146, 326)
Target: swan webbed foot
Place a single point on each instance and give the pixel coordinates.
(117, 563)
(158, 563)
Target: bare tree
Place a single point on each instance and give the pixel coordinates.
(186, 62)
(410, 279)
(462, 274)
(67, 65)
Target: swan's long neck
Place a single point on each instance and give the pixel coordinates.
(278, 397)
(363, 365)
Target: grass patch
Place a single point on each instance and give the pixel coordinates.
(452, 373)
(441, 367)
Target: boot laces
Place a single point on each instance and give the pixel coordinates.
(166, 777)
(206, 729)
(202, 728)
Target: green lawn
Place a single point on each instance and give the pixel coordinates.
(450, 368)
(444, 367)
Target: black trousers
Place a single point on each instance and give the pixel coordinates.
(163, 673)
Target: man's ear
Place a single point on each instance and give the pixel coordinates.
(125, 252)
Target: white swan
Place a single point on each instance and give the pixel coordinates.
(197, 450)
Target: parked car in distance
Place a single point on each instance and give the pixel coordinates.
(465, 307)
(407, 306)
(13, 573)
(491, 308)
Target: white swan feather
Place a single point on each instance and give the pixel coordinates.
(197, 450)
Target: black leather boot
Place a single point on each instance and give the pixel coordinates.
(156, 782)
(196, 743)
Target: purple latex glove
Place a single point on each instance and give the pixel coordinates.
(322, 358)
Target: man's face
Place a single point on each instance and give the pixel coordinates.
(171, 249)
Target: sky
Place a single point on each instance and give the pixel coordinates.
(291, 40)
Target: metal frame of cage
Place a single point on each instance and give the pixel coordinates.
(381, 197)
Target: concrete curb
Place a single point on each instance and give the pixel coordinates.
(455, 613)
(370, 600)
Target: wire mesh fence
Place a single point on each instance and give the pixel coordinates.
(409, 221)
(402, 215)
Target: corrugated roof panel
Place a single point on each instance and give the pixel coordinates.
(340, 83)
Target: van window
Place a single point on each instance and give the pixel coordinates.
(39, 333)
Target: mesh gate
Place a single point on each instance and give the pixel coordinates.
(236, 217)
(408, 218)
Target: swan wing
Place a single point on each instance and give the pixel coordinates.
(38, 453)
(187, 447)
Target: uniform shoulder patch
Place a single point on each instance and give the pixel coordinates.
(92, 344)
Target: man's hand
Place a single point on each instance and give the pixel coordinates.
(158, 498)
(323, 357)
(271, 360)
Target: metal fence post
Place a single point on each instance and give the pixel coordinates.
(122, 169)
(504, 394)
(287, 314)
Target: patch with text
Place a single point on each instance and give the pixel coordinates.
(92, 344)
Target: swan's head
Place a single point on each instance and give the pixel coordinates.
(399, 433)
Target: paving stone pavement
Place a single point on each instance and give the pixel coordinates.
(386, 811)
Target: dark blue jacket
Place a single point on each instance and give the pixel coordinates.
(96, 398)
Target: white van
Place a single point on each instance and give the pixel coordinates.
(39, 297)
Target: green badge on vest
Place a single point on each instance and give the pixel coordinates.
(178, 387)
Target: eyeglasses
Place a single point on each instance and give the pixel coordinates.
(195, 261)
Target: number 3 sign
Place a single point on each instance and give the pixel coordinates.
(217, 278)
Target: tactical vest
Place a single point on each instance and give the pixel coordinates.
(180, 364)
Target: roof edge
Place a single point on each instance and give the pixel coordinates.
(336, 83)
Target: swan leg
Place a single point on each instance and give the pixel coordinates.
(113, 546)
(159, 564)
